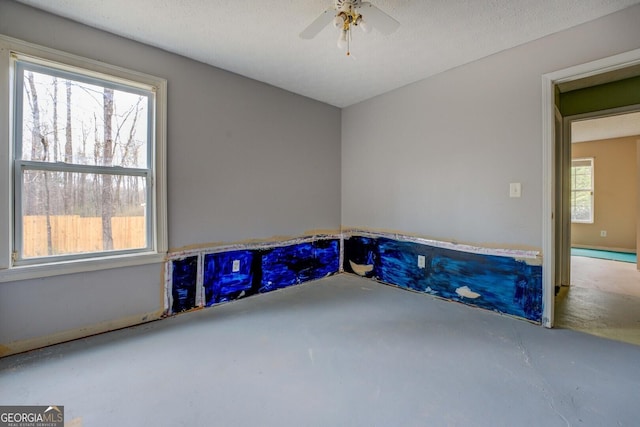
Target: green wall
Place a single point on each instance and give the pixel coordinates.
(602, 97)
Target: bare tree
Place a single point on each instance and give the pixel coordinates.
(68, 151)
(80, 190)
(97, 149)
(129, 148)
(37, 138)
(55, 197)
(108, 207)
(54, 99)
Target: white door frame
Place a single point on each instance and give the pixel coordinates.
(549, 81)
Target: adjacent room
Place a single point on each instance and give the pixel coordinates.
(326, 212)
(604, 288)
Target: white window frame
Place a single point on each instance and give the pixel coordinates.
(592, 190)
(10, 49)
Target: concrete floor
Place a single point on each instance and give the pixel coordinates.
(342, 351)
(605, 314)
(605, 275)
(603, 299)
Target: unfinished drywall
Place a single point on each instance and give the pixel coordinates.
(615, 195)
(436, 158)
(209, 276)
(245, 161)
(505, 281)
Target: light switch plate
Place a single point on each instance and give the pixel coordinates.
(421, 261)
(515, 189)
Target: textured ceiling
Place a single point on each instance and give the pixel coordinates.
(259, 39)
(606, 127)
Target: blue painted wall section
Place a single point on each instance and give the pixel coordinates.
(221, 283)
(236, 274)
(497, 283)
(183, 290)
(290, 265)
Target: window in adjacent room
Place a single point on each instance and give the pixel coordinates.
(87, 165)
(582, 190)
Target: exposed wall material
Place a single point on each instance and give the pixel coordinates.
(503, 283)
(504, 280)
(204, 277)
(528, 254)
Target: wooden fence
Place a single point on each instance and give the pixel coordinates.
(75, 234)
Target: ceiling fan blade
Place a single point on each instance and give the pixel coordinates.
(378, 19)
(318, 24)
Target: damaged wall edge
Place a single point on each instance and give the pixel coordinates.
(505, 281)
(498, 279)
(198, 278)
(530, 256)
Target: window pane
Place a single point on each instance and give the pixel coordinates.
(582, 170)
(71, 121)
(582, 182)
(67, 213)
(582, 190)
(581, 206)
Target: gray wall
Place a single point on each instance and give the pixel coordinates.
(245, 160)
(436, 157)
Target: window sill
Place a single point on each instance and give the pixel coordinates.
(78, 266)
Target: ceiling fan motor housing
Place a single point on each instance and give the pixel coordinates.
(345, 15)
(347, 11)
(347, 5)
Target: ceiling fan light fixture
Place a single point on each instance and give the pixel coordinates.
(343, 39)
(345, 14)
(364, 26)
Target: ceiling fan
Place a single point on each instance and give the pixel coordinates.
(346, 14)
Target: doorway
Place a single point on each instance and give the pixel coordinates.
(602, 295)
(556, 210)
